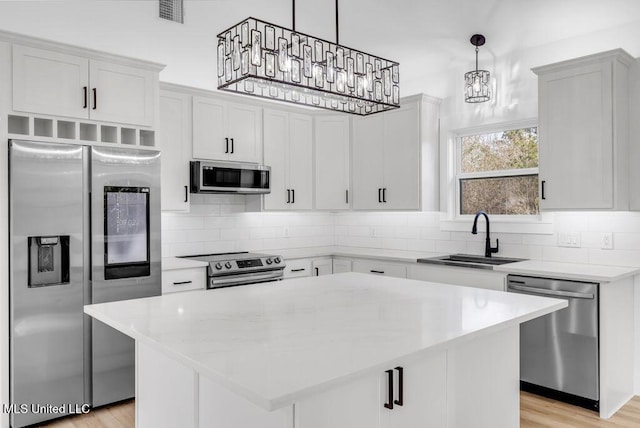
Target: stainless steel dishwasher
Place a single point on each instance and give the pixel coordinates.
(559, 352)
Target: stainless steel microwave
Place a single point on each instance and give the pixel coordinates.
(229, 177)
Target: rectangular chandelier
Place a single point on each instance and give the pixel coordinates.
(268, 61)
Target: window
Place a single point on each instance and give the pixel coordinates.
(497, 172)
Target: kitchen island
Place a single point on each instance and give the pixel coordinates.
(348, 350)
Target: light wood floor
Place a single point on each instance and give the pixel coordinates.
(535, 412)
(121, 415)
(538, 412)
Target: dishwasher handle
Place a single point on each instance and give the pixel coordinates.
(553, 293)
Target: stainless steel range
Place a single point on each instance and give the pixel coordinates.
(242, 268)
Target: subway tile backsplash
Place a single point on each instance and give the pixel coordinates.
(220, 223)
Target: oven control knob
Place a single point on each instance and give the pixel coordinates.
(218, 266)
(269, 261)
(227, 265)
(277, 260)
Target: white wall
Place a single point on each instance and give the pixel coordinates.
(219, 223)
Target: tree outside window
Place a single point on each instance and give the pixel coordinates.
(498, 172)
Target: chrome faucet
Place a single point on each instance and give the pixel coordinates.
(488, 249)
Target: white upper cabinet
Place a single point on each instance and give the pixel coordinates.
(228, 131)
(50, 82)
(402, 158)
(583, 110)
(386, 159)
(121, 93)
(331, 154)
(209, 130)
(288, 150)
(368, 162)
(174, 134)
(60, 84)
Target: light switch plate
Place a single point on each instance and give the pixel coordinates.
(571, 240)
(607, 241)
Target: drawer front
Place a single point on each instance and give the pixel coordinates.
(377, 268)
(297, 268)
(184, 280)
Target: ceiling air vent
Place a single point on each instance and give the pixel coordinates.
(172, 10)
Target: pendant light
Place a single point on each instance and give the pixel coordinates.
(476, 83)
(265, 60)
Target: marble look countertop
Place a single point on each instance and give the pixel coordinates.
(541, 268)
(356, 252)
(275, 343)
(174, 263)
(571, 271)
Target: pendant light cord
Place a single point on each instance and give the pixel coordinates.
(293, 19)
(337, 27)
(477, 58)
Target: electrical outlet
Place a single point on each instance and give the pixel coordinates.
(286, 232)
(373, 232)
(571, 240)
(607, 241)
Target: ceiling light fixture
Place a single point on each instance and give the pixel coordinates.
(265, 60)
(476, 83)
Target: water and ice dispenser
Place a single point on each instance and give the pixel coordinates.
(48, 260)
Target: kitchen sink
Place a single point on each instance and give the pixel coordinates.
(469, 260)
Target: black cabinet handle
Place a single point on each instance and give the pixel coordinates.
(293, 196)
(186, 193)
(86, 96)
(384, 195)
(182, 283)
(346, 196)
(379, 194)
(400, 400)
(226, 145)
(232, 146)
(317, 271)
(389, 403)
(376, 271)
(95, 98)
(288, 196)
(542, 185)
(298, 270)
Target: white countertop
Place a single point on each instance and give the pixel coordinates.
(561, 270)
(574, 271)
(173, 263)
(275, 343)
(367, 253)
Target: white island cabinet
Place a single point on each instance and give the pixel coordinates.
(348, 350)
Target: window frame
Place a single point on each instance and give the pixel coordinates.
(458, 175)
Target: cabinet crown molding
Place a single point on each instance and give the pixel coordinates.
(615, 54)
(36, 42)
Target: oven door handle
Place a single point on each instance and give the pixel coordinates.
(247, 277)
(554, 293)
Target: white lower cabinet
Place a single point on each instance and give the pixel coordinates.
(221, 408)
(379, 268)
(473, 383)
(184, 280)
(408, 395)
(341, 265)
(157, 395)
(297, 268)
(469, 277)
(323, 266)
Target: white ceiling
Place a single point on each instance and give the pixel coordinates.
(432, 35)
(427, 37)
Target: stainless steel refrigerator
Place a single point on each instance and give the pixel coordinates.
(85, 228)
